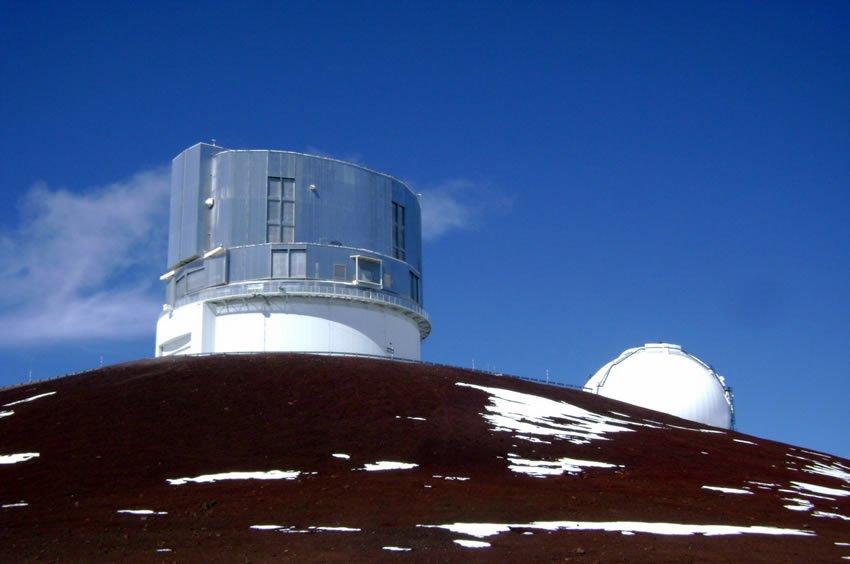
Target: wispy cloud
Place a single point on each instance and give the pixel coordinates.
(458, 205)
(85, 265)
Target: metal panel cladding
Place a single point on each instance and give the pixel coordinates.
(343, 219)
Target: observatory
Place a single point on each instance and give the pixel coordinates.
(283, 251)
(663, 377)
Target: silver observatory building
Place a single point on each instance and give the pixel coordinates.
(283, 251)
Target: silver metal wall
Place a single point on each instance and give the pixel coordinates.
(220, 198)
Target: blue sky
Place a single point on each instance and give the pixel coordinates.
(596, 175)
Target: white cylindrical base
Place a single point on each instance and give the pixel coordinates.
(314, 325)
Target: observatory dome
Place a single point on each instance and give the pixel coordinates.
(665, 378)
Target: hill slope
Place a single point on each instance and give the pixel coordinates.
(277, 456)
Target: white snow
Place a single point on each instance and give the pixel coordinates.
(742, 441)
(290, 529)
(526, 414)
(6, 413)
(481, 530)
(11, 505)
(340, 455)
(471, 543)
(533, 439)
(455, 478)
(209, 478)
(842, 544)
(388, 465)
(763, 484)
(727, 490)
(396, 548)
(540, 468)
(25, 400)
(831, 515)
(820, 489)
(799, 504)
(837, 470)
(142, 512)
(15, 458)
(698, 430)
(163, 550)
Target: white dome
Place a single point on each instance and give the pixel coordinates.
(663, 377)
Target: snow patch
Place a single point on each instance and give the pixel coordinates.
(340, 455)
(142, 512)
(382, 465)
(541, 468)
(727, 490)
(15, 458)
(25, 400)
(396, 548)
(310, 529)
(455, 478)
(820, 489)
(11, 505)
(763, 484)
(836, 470)
(529, 415)
(831, 515)
(209, 478)
(799, 504)
(471, 543)
(742, 441)
(163, 550)
(482, 530)
(715, 431)
(6, 413)
(533, 440)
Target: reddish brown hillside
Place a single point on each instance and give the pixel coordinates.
(272, 457)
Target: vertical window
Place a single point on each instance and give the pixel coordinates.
(280, 211)
(414, 288)
(398, 232)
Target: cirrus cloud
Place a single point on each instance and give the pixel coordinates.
(85, 265)
(459, 204)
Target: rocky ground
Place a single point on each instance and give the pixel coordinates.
(274, 457)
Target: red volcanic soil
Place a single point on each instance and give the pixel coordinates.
(110, 440)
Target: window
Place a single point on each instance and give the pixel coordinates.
(280, 211)
(414, 288)
(398, 232)
(289, 264)
(339, 272)
(367, 271)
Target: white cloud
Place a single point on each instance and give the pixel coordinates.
(85, 265)
(457, 205)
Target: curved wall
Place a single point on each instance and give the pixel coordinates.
(257, 223)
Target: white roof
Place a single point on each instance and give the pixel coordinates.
(663, 377)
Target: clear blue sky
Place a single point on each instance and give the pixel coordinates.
(599, 175)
